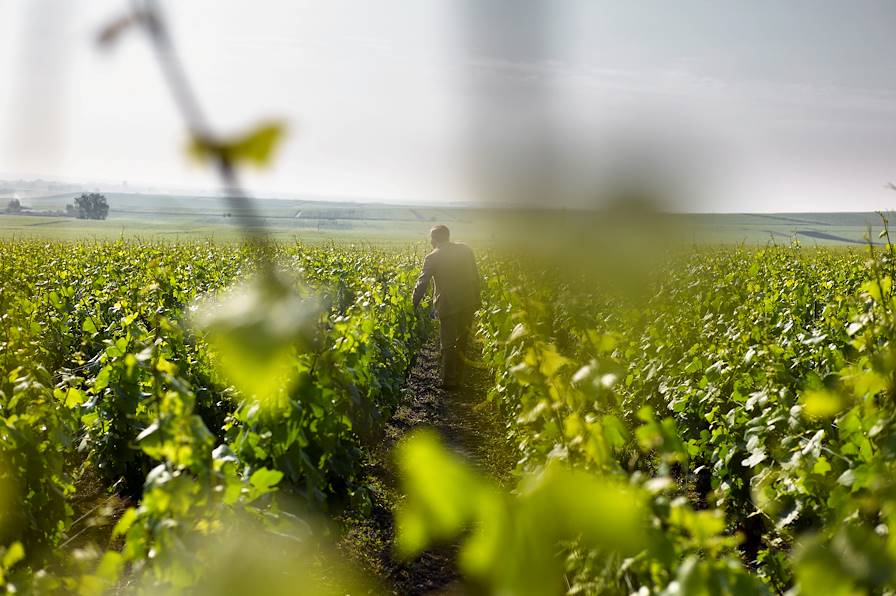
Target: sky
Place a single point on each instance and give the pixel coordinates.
(731, 106)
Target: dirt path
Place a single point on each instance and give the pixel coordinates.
(466, 427)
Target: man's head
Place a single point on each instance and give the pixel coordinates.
(439, 235)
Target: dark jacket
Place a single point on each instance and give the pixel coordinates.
(453, 268)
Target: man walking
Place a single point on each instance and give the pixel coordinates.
(453, 268)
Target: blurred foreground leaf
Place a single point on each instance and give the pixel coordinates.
(288, 560)
(255, 147)
(255, 329)
(444, 495)
(707, 577)
(855, 561)
(821, 403)
(514, 542)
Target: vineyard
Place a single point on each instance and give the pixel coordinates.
(202, 417)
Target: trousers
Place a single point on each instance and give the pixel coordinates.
(454, 332)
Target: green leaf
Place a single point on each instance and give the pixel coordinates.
(88, 326)
(15, 552)
(519, 332)
(74, 397)
(706, 577)
(877, 290)
(256, 329)
(511, 541)
(856, 561)
(443, 495)
(821, 403)
(255, 147)
(110, 566)
(551, 361)
(756, 457)
(694, 366)
(265, 480)
(821, 466)
(615, 432)
(102, 380)
(704, 525)
(847, 478)
(125, 522)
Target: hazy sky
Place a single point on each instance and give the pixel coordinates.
(759, 106)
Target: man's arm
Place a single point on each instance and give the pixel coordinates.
(476, 280)
(423, 281)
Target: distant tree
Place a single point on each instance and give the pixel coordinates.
(14, 206)
(92, 205)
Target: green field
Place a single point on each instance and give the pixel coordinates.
(167, 217)
(156, 216)
(188, 414)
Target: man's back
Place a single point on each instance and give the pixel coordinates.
(453, 268)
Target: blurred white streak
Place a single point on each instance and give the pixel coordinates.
(36, 119)
(511, 125)
(547, 129)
